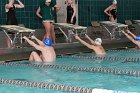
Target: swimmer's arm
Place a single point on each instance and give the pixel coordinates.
(129, 37)
(20, 5)
(38, 12)
(134, 36)
(83, 42)
(9, 5)
(33, 44)
(38, 41)
(92, 42)
(74, 9)
(106, 10)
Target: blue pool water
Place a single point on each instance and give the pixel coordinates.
(109, 81)
(18, 89)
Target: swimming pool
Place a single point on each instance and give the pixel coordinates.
(117, 72)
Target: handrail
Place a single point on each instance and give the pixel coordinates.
(108, 32)
(64, 34)
(8, 36)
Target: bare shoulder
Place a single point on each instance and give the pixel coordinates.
(47, 48)
(102, 47)
(93, 46)
(98, 47)
(16, 5)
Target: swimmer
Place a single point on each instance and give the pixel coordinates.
(47, 55)
(111, 11)
(10, 10)
(95, 46)
(71, 12)
(135, 39)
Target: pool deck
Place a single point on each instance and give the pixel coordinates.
(9, 54)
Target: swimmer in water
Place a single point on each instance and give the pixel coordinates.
(95, 46)
(111, 11)
(135, 39)
(47, 55)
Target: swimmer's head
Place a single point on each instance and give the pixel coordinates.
(69, 1)
(137, 38)
(48, 42)
(48, 1)
(114, 2)
(98, 41)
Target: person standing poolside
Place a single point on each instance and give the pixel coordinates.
(10, 9)
(95, 45)
(47, 55)
(71, 12)
(111, 11)
(46, 13)
(135, 39)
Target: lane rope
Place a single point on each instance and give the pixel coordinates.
(133, 51)
(85, 69)
(129, 59)
(42, 85)
(66, 88)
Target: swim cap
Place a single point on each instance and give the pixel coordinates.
(137, 38)
(98, 41)
(48, 42)
(114, 2)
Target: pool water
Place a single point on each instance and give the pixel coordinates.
(17, 89)
(68, 77)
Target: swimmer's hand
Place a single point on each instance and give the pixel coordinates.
(33, 37)
(77, 37)
(86, 36)
(24, 37)
(123, 32)
(127, 31)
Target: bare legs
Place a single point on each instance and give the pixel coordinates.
(35, 57)
(49, 31)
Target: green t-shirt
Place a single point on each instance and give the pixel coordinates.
(47, 12)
